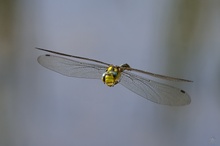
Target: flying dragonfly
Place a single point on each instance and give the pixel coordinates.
(81, 67)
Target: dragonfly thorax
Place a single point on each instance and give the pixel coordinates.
(112, 75)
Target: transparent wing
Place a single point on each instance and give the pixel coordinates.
(72, 68)
(154, 91)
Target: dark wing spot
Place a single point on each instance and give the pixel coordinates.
(182, 91)
(47, 55)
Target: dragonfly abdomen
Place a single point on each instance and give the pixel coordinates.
(112, 76)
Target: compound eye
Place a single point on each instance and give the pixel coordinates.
(125, 65)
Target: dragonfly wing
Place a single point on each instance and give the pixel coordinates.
(154, 91)
(72, 68)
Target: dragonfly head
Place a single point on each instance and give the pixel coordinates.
(112, 75)
(125, 67)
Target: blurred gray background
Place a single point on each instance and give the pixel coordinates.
(179, 38)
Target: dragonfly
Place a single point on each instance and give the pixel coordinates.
(81, 67)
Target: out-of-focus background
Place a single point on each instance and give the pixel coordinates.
(39, 107)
